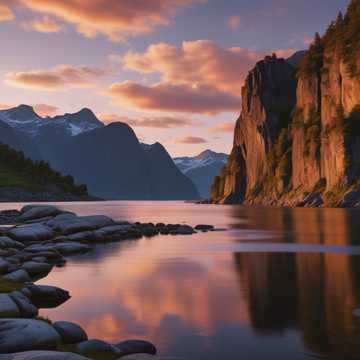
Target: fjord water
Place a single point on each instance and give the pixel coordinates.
(278, 284)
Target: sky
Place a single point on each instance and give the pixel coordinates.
(171, 69)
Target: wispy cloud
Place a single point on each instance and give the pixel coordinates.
(226, 127)
(44, 24)
(190, 140)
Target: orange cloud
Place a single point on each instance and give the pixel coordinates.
(114, 18)
(234, 22)
(200, 63)
(58, 78)
(176, 98)
(160, 122)
(6, 14)
(223, 128)
(191, 140)
(44, 25)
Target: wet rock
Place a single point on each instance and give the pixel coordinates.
(43, 296)
(20, 276)
(27, 334)
(70, 333)
(26, 309)
(82, 236)
(183, 230)
(33, 232)
(42, 355)
(6, 242)
(98, 221)
(4, 266)
(66, 248)
(204, 227)
(8, 307)
(36, 268)
(97, 348)
(32, 212)
(130, 347)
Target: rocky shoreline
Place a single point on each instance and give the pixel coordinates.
(34, 241)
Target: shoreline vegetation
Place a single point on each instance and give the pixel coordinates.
(35, 240)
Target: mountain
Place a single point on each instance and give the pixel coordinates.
(22, 179)
(297, 140)
(202, 169)
(109, 159)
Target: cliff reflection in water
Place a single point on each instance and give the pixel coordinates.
(316, 293)
(200, 297)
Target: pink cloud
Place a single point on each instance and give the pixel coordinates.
(45, 25)
(173, 98)
(234, 22)
(6, 14)
(223, 128)
(116, 19)
(191, 140)
(58, 78)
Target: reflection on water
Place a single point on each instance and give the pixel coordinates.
(209, 297)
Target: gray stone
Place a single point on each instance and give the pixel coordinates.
(20, 276)
(43, 296)
(36, 268)
(183, 230)
(70, 333)
(6, 242)
(42, 355)
(66, 248)
(72, 226)
(8, 307)
(4, 266)
(33, 232)
(38, 211)
(82, 236)
(26, 309)
(27, 334)
(98, 221)
(130, 347)
(97, 348)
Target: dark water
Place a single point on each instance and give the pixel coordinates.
(279, 284)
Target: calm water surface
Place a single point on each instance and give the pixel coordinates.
(279, 284)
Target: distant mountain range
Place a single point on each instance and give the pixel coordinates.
(108, 159)
(202, 169)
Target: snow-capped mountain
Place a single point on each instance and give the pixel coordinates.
(23, 118)
(202, 169)
(206, 158)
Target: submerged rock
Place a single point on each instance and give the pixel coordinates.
(97, 348)
(70, 333)
(27, 334)
(204, 227)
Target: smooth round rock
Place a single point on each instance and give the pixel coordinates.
(42, 355)
(26, 309)
(20, 276)
(130, 347)
(70, 333)
(33, 232)
(43, 296)
(27, 334)
(33, 212)
(97, 347)
(36, 268)
(8, 307)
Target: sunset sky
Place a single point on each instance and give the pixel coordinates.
(172, 69)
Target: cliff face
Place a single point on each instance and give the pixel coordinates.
(297, 140)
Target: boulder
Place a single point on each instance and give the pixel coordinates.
(82, 236)
(65, 248)
(98, 221)
(130, 347)
(60, 218)
(20, 276)
(26, 309)
(8, 307)
(32, 232)
(97, 348)
(183, 230)
(43, 296)
(37, 268)
(27, 334)
(32, 212)
(70, 333)
(42, 355)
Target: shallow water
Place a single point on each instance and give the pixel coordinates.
(279, 284)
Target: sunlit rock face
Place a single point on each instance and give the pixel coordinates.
(299, 128)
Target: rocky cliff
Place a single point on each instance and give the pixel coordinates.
(297, 140)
